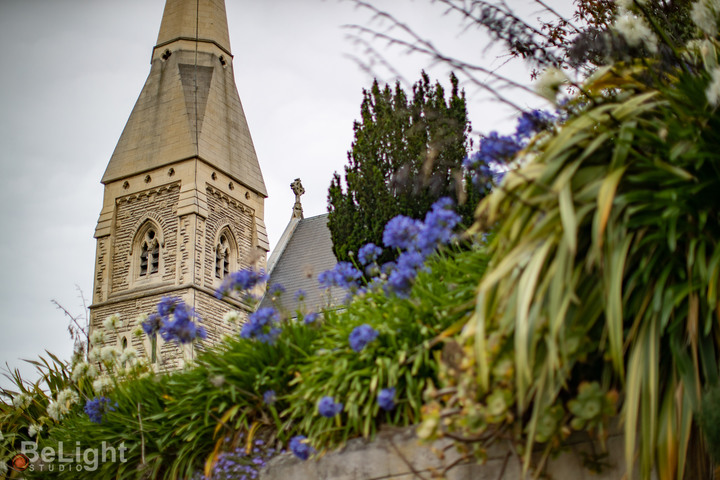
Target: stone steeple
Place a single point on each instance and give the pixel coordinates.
(205, 21)
(189, 105)
(184, 193)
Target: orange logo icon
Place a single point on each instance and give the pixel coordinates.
(20, 462)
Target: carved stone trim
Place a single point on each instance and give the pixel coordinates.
(146, 193)
(211, 191)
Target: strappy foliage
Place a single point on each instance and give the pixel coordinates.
(604, 275)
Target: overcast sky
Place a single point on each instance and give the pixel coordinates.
(72, 70)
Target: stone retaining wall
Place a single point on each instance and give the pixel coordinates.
(396, 454)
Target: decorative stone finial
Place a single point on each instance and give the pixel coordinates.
(298, 190)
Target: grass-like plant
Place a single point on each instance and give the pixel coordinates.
(179, 424)
(604, 274)
(403, 356)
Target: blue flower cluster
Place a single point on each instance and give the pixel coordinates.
(97, 408)
(310, 318)
(361, 336)
(328, 407)
(386, 398)
(276, 290)
(485, 165)
(174, 321)
(240, 282)
(239, 464)
(402, 232)
(269, 397)
(418, 240)
(368, 253)
(300, 447)
(262, 326)
(344, 275)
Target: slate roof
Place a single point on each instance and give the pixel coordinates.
(307, 253)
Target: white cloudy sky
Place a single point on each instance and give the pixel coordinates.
(71, 71)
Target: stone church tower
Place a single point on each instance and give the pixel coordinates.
(184, 194)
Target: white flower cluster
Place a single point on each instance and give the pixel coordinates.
(94, 355)
(34, 429)
(635, 30)
(102, 384)
(112, 322)
(713, 89)
(232, 317)
(53, 411)
(97, 337)
(705, 15)
(128, 355)
(109, 354)
(549, 83)
(83, 369)
(67, 398)
(138, 330)
(22, 401)
(217, 381)
(61, 406)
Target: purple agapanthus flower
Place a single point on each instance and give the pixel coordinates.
(276, 290)
(401, 279)
(97, 408)
(328, 407)
(269, 397)
(401, 232)
(167, 305)
(386, 398)
(174, 321)
(344, 275)
(152, 324)
(368, 253)
(361, 336)
(180, 327)
(300, 447)
(438, 227)
(529, 123)
(262, 326)
(310, 318)
(241, 281)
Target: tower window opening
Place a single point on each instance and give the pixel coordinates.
(149, 254)
(222, 258)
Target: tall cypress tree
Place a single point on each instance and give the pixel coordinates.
(407, 153)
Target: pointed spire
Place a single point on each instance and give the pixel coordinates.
(189, 106)
(205, 20)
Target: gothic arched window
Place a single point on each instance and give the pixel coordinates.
(225, 254)
(149, 253)
(222, 257)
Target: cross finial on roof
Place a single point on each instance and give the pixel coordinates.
(298, 190)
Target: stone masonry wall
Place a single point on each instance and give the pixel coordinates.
(214, 312)
(158, 204)
(169, 355)
(396, 454)
(225, 211)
